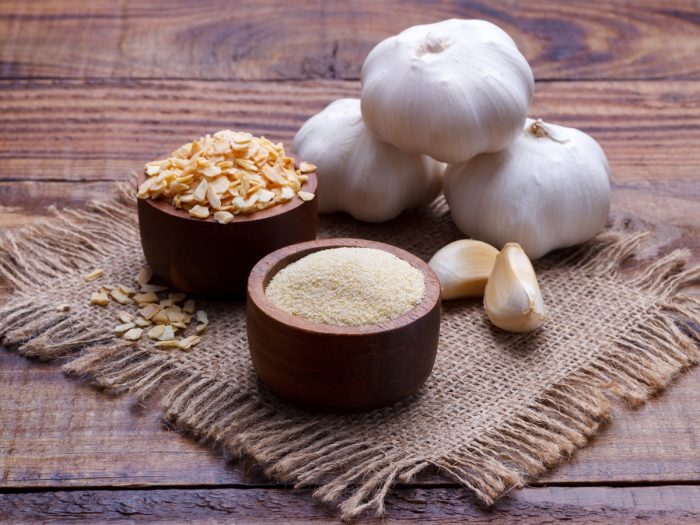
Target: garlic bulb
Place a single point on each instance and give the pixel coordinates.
(512, 298)
(372, 181)
(450, 90)
(462, 267)
(549, 189)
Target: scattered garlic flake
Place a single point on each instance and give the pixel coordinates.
(164, 317)
(64, 307)
(99, 298)
(133, 334)
(120, 297)
(146, 297)
(170, 343)
(141, 322)
(126, 290)
(156, 331)
(168, 333)
(123, 328)
(125, 317)
(188, 342)
(161, 317)
(190, 306)
(145, 274)
(149, 311)
(95, 274)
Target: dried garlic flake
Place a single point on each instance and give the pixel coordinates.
(95, 274)
(125, 317)
(223, 217)
(133, 334)
(99, 298)
(171, 343)
(146, 297)
(188, 342)
(156, 331)
(307, 167)
(144, 275)
(123, 328)
(120, 297)
(225, 174)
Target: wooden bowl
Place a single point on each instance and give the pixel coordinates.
(208, 259)
(340, 368)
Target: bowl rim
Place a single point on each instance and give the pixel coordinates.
(275, 261)
(311, 185)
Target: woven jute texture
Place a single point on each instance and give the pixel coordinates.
(497, 410)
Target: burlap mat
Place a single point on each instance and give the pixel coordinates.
(498, 409)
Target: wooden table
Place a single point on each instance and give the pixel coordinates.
(91, 90)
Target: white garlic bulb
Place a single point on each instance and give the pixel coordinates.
(450, 90)
(549, 189)
(371, 180)
(512, 298)
(463, 267)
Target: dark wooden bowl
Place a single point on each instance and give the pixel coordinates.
(208, 259)
(340, 368)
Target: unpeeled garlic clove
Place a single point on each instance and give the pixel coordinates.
(463, 267)
(512, 297)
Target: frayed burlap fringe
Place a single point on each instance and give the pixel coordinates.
(328, 451)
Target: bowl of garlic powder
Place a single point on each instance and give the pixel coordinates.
(217, 205)
(343, 324)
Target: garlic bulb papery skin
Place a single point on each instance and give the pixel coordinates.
(549, 189)
(512, 298)
(449, 90)
(463, 267)
(371, 180)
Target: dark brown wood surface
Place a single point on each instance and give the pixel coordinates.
(279, 40)
(603, 505)
(91, 90)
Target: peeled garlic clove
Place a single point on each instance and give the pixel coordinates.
(512, 297)
(463, 267)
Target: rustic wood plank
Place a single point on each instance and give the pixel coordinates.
(57, 432)
(622, 505)
(71, 130)
(670, 207)
(266, 39)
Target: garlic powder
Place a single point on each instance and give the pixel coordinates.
(347, 287)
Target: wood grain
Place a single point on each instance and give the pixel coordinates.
(622, 505)
(272, 39)
(58, 432)
(70, 130)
